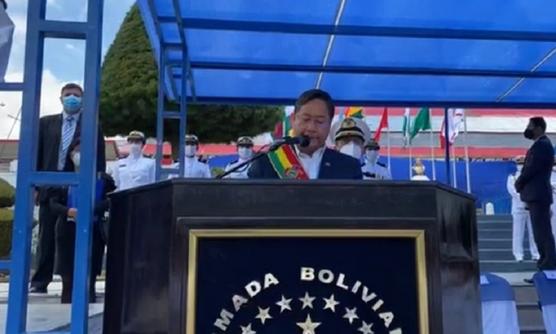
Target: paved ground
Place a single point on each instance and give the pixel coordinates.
(45, 313)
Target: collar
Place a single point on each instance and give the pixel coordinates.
(317, 154)
(65, 116)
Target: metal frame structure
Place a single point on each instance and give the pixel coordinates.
(39, 28)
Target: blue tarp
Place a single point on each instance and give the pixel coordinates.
(383, 52)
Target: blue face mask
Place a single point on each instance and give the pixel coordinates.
(72, 104)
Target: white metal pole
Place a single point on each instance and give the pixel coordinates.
(432, 148)
(466, 147)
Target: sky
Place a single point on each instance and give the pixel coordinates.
(63, 59)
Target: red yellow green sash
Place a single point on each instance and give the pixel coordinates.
(286, 164)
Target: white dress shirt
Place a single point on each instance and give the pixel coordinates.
(311, 163)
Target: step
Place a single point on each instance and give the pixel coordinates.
(481, 226)
(525, 294)
(495, 233)
(499, 243)
(502, 266)
(532, 330)
(493, 217)
(529, 315)
(492, 254)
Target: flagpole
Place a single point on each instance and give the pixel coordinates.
(447, 145)
(432, 147)
(454, 164)
(388, 148)
(466, 147)
(408, 140)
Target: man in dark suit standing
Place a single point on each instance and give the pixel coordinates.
(312, 118)
(56, 134)
(534, 188)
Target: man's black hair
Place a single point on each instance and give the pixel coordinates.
(315, 94)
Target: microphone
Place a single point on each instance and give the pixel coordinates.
(302, 141)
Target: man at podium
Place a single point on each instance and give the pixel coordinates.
(312, 118)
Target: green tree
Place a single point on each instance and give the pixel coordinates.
(129, 95)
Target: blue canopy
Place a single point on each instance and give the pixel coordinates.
(471, 53)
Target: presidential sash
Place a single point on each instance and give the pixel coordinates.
(286, 164)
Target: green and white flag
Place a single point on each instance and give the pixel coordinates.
(421, 122)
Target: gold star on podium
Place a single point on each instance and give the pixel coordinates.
(247, 330)
(351, 314)
(284, 304)
(263, 314)
(366, 328)
(307, 301)
(308, 326)
(330, 303)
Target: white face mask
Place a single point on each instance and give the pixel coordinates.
(352, 149)
(135, 150)
(190, 151)
(76, 159)
(519, 168)
(244, 152)
(372, 156)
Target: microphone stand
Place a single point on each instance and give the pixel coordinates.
(255, 157)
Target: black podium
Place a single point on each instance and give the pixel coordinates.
(261, 257)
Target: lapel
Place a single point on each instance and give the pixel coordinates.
(57, 132)
(77, 133)
(325, 165)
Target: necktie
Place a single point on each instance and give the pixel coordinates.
(67, 136)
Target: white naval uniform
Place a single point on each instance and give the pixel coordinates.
(521, 218)
(553, 206)
(239, 174)
(133, 172)
(194, 169)
(375, 171)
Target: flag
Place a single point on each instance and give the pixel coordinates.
(383, 124)
(284, 127)
(354, 112)
(455, 120)
(406, 126)
(421, 122)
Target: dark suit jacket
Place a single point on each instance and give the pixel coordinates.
(334, 165)
(533, 185)
(50, 135)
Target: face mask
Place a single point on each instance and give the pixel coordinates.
(72, 104)
(135, 150)
(528, 133)
(244, 152)
(352, 150)
(76, 159)
(190, 151)
(519, 168)
(372, 156)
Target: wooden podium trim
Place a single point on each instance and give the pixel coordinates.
(417, 235)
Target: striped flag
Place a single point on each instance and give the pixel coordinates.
(382, 125)
(455, 121)
(354, 112)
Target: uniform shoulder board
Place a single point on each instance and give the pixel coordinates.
(381, 164)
